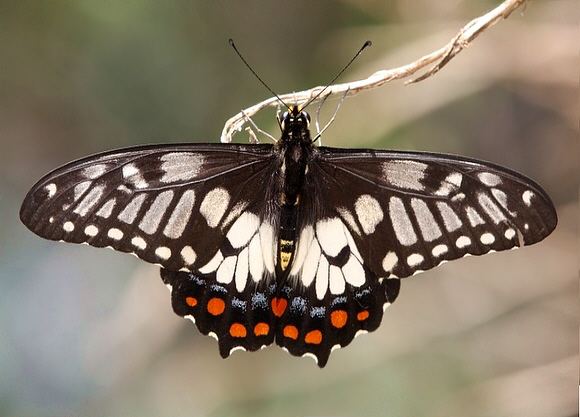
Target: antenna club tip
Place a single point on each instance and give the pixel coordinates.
(367, 44)
(231, 41)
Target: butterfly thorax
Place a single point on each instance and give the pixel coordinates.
(295, 149)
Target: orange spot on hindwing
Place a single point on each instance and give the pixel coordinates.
(216, 306)
(338, 318)
(191, 301)
(290, 332)
(313, 337)
(362, 315)
(261, 329)
(279, 306)
(238, 330)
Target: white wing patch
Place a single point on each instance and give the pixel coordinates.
(405, 174)
(315, 249)
(256, 257)
(369, 213)
(180, 166)
(214, 206)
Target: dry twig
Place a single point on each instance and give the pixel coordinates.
(439, 58)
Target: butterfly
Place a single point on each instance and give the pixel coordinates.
(292, 243)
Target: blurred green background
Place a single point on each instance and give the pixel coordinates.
(88, 332)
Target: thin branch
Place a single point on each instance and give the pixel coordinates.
(438, 59)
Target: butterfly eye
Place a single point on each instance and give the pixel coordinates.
(282, 119)
(306, 116)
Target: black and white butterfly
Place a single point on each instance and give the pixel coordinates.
(290, 242)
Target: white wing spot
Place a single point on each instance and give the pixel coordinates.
(139, 242)
(450, 184)
(268, 244)
(353, 272)
(360, 333)
(180, 216)
(487, 238)
(94, 171)
(124, 188)
(349, 219)
(256, 259)
(163, 252)
(234, 212)
(243, 229)
(90, 200)
(330, 233)
(115, 234)
(336, 281)
(156, 212)
(242, 269)
(310, 355)
(51, 189)
(369, 213)
(213, 264)
(401, 223)
(462, 242)
(91, 230)
(527, 197)
(304, 242)
(311, 264)
(427, 223)
(225, 273)
(473, 216)
(132, 174)
(439, 250)
(390, 261)
(489, 179)
(450, 218)
(415, 259)
(188, 255)
(180, 166)
(106, 209)
(130, 211)
(509, 234)
(322, 278)
(214, 206)
(80, 189)
(68, 226)
(237, 348)
(490, 208)
(404, 174)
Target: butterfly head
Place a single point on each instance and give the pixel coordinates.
(294, 120)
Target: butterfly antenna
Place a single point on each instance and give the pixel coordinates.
(233, 45)
(328, 85)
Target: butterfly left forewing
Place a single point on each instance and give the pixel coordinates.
(153, 201)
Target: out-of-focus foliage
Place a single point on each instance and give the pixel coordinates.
(90, 332)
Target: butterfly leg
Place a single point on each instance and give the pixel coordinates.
(249, 120)
(320, 132)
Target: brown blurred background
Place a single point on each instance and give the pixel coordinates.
(88, 332)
